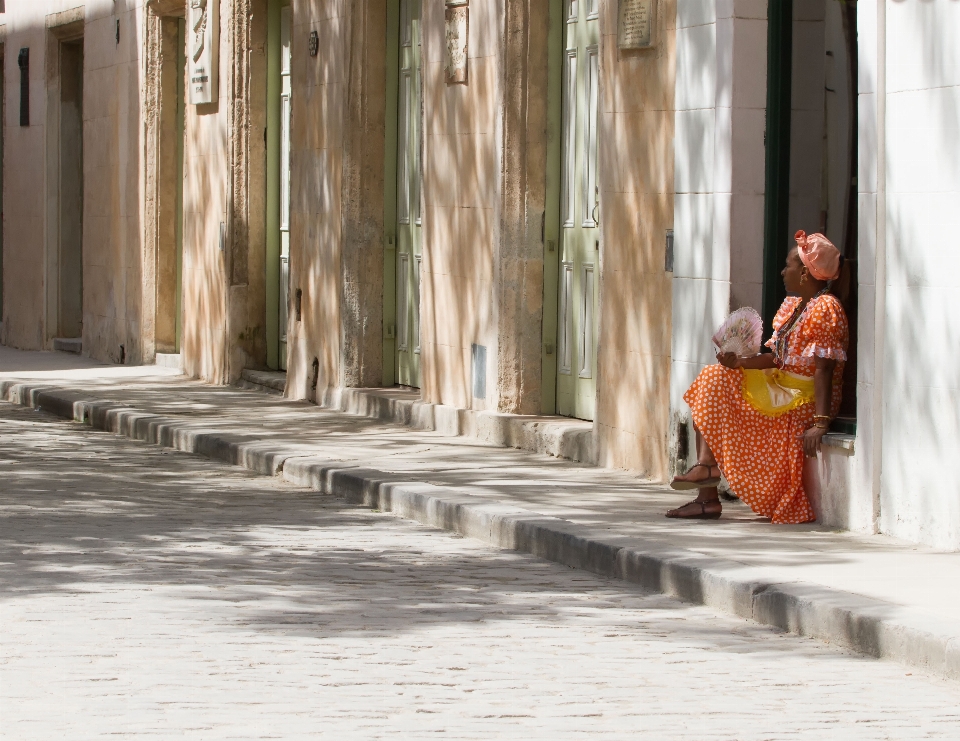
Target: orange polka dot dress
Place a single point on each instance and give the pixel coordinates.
(762, 457)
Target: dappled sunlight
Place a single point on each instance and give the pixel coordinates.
(921, 380)
(636, 151)
(608, 504)
(92, 513)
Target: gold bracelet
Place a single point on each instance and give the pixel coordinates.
(822, 416)
(825, 426)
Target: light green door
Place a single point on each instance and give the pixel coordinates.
(284, 180)
(579, 270)
(409, 239)
(278, 182)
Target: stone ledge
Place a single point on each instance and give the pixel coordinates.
(560, 437)
(68, 344)
(840, 440)
(866, 625)
(169, 360)
(271, 382)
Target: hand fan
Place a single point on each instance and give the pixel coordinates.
(740, 333)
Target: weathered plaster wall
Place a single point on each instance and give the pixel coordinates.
(223, 207)
(637, 206)
(111, 207)
(206, 171)
(24, 182)
(462, 170)
(112, 177)
(316, 162)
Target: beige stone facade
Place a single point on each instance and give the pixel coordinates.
(138, 224)
(485, 186)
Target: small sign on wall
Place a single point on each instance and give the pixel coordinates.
(637, 24)
(203, 50)
(456, 26)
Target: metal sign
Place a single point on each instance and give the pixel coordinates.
(203, 50)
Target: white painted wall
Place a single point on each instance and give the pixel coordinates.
(719, 176)
(919, 498)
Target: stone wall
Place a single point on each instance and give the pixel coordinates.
(112, 146)
(461, 188)
(637, 208)
(316, 183)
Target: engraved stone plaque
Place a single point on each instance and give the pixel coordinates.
(636, 24)
(455, 23)
(203, 50)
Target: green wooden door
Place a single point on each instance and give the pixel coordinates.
(409, 231)
(579, 270)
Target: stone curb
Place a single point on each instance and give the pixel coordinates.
(865, 625)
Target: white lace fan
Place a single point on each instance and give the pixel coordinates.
(740, 333)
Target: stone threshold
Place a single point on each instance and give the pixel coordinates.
(68, 344)
(864, 624)
(268, 382)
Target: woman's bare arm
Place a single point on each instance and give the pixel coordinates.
(757, 362)
(823, 395)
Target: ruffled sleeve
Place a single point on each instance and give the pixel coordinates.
(783, 314)
(825, 330)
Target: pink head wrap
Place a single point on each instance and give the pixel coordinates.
(819, 255)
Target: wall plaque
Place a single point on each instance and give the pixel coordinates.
(456, 21)
(636, 24)
(203, 50)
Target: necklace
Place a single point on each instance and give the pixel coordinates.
(783, 334)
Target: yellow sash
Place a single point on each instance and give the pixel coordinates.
(774, 392)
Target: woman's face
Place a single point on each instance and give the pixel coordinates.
(793, 272)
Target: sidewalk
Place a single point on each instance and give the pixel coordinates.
(873, 594)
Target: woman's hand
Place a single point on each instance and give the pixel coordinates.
(811, 441)
(728, 360)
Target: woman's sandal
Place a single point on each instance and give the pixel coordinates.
(701, 515)
(700, 483)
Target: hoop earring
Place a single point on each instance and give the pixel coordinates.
(803, 276)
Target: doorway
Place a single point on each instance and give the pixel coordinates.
(579, 213)
(409, 210)
(811, 163)
(170, 135)
(70, 190)
(278, 181)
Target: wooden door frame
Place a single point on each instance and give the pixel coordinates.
(551, 216)
(62, 27)
(390, 149)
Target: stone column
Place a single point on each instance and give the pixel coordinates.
(361, 261)
(519, 257)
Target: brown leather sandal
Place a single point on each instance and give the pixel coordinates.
(699, 484)
(701, 515)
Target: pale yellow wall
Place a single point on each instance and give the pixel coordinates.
(206, 169)
(23, 183)
(636, 176)
(461, 192)
(112, 175)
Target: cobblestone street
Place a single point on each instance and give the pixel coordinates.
(150, 593)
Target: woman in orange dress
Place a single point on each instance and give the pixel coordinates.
(756, 418)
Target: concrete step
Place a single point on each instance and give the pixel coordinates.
(270, 382)
(169, 360)
(68, 344)
(560, 437)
